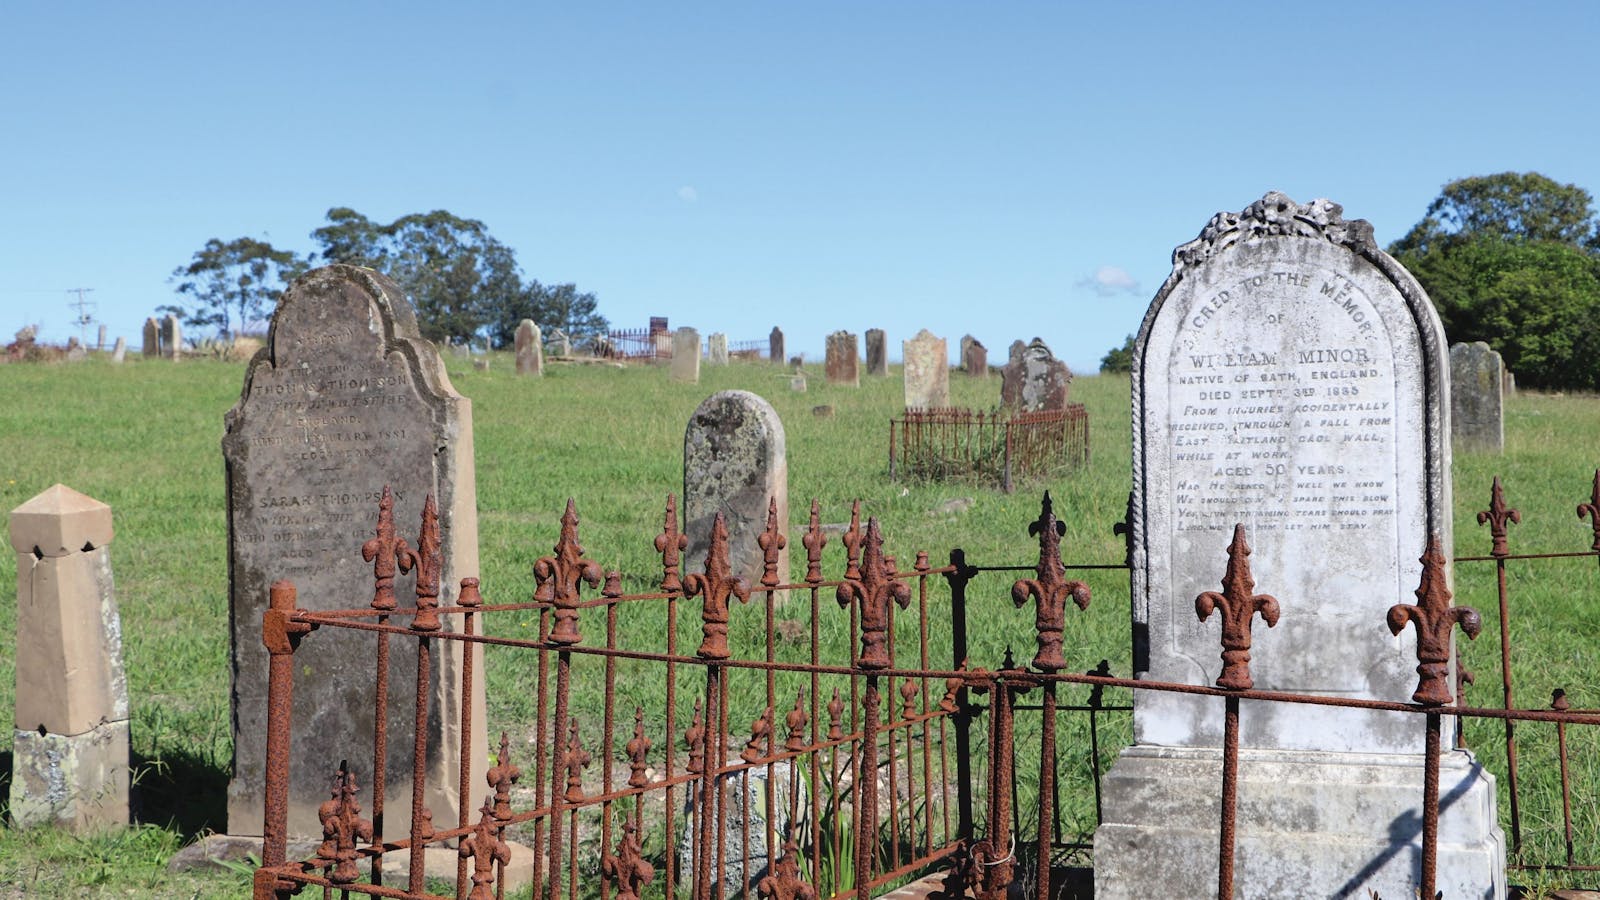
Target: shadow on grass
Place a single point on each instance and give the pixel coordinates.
(5, 786)
(180, 790)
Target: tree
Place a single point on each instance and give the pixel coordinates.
(1536, 302)
(550, 307)
(454, 272)
(1118, 359)
(1511, 205)
(233, 284)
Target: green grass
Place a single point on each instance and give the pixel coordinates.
(144, 437)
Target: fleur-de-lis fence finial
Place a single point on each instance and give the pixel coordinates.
(342, 826)
(772, 543)
(814, 541)
(715, 587)
(1497, 516)
(760, 731)
(638, 749)
(558, 577)
(874, 590)
(1049, 589)
(627, 866)
(1591, 510)
(387, 552)
(484, 847)
(785, 883)
(671, 543)
(576, 759)
(1237, 605)
(501, 776)
(695, 738)
(852, 539)
(430, 566)
(1435, 619)
(796, 720)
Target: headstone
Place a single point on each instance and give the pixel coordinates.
(966, 341)
(877, 354)
(797, 362)
(775, 351)
(745, 812)
(100, 344)
(1290, 376)
(1014, 354)
(1508, 383)
(120, 351)
(797, 383)
(1477, 403)
(171, 338)
(530, 349)
(76, 351)
(72, 343)
(686, 355)
(345, 399)
(1035, 381)
(841, 364)
(975, 360)
(927, 371)
(152, 339)
(717, 349)
(560, 345)
(735, 463)
(70, 744)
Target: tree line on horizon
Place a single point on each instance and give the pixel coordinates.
(465, 284)
(1511, 259)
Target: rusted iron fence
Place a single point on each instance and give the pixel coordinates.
(749, 350)
(715, 737)
(640, 344)
(943, 443)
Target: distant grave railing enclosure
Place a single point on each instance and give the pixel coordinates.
(995, 446)
(714, 737)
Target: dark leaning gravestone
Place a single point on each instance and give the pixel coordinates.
(1292, 377)
(344, 399)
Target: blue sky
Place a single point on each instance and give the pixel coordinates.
(1003, 170)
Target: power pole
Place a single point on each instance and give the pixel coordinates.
(84, 319)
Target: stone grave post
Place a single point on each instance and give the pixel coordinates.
(1289, 376)
(1477, 410)
(877, 353)
(100, 344)
(119, 351)
(927, 371)
(152, 339)
(70, 744)
(530, 349)
(1035, 380)
(717, 349)
(686, 355)
(841, 361)
(171, 338)
(345, 399)
(775, 350)
(735, 462)
(975, 359)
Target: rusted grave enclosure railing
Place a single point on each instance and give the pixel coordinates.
(942, 443)
(640, 344)
(643, 777)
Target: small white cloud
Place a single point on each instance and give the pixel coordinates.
(1109, 281)
(688, 194)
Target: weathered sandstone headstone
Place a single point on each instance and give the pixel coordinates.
(120, 351)
(975, 359)
(877, 353)
(152, 339)
(171, 338)
(686, 355)
(717, 349)
(560, 345)
(100, 343)
(775, 350)
(70, 744)
(841, 362)
(797, 383)
(735, 462)
(1477, 403)
(530, 349)
(927, 371)
(76, 351)
(345, 399)
(1289, 376)
(1035, 381)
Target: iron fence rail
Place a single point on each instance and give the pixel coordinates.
(996, 446)
(873, 750)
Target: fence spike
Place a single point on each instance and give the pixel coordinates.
(430, 565)
(387, 552)
(1434, 619)
(671, 543)
(557, 578)
(873, 590)
(715, 587)
(1238, 606)
(1497, 515)
(814, 541)
(1049, 589)
(771, 542)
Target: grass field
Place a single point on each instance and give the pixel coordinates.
(144, 437)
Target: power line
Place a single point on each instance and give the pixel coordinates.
(84, 319)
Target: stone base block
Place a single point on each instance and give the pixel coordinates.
(1333, 825)
(77, 782)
